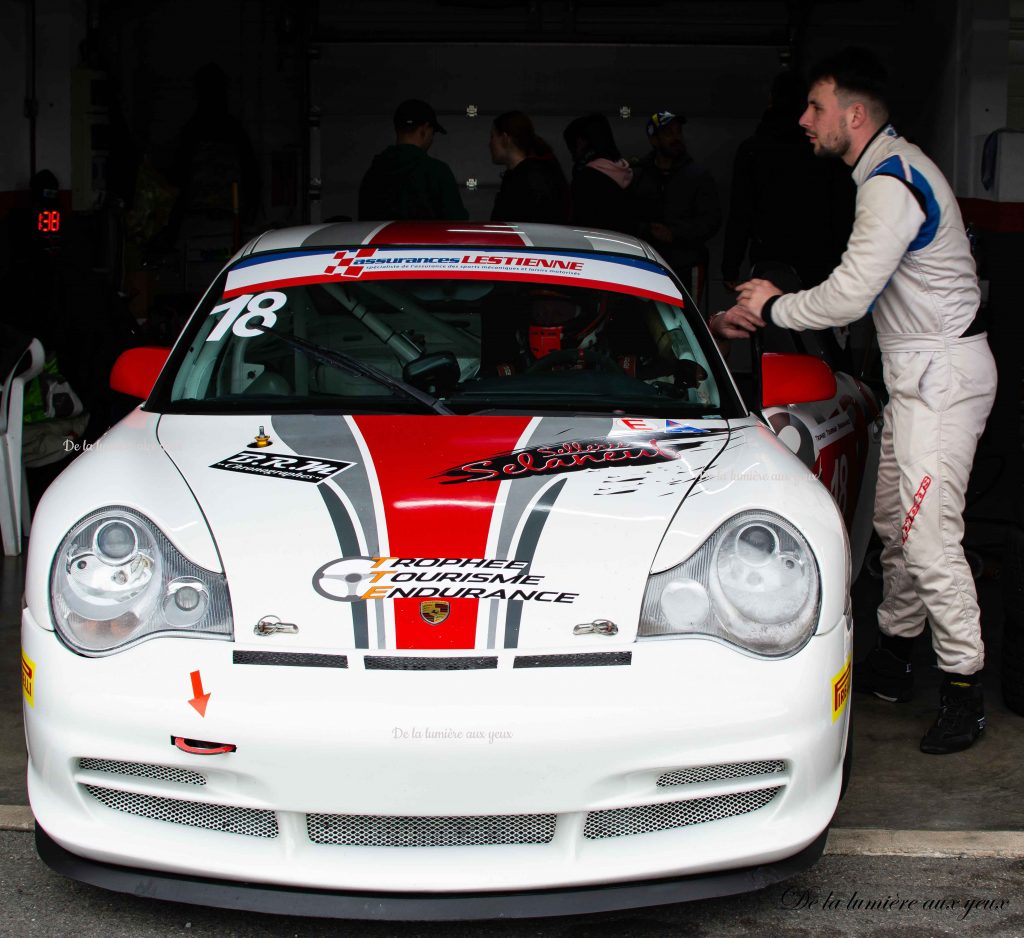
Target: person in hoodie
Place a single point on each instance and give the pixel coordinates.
(600, 176)
(533, 186)
(675, 200)
(787, 208)
(403, 182)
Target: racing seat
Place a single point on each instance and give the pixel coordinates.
(15, 517)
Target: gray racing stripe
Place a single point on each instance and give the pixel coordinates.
(332, 438)
(523, 491)
(349, 548)
(525, 550)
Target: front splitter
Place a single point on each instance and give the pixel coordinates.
(420, 907)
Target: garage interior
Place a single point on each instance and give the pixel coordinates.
(103, 91)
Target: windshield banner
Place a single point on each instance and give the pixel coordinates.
(594, 271)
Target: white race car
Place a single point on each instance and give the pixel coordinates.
(444, 574)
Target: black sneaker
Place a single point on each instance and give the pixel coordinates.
(885, 675)
(961, 716)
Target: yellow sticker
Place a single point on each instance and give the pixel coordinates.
(841, 689)
(28, 678)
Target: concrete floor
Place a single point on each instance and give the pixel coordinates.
(893, 784)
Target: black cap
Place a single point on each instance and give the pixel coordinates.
(410, 114)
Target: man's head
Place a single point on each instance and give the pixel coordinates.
(416, 123)
(846, 104)
(665, 131)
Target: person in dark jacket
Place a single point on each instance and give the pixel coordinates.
(600, 176)
(533, 186)
(675, 199)
(786, 206)
(403, 182)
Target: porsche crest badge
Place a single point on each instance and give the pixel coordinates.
(435, 611)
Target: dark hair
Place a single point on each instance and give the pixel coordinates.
(595, 131)
(519, 127)
(855, 71)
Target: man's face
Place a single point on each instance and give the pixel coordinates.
(668, 141)
(825, 120)
(499, 144)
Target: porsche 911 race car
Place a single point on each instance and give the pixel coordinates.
(444, 573)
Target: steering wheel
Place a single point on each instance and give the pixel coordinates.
(596, 358)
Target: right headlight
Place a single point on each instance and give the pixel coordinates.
(754, 583)
(116, 580)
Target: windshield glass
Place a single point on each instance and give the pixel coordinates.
(362, 330)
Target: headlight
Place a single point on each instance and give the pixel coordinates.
(754, 583)
(116, 580)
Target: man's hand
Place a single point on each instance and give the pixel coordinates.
(661, 232)
(754, 294)
(735, 323)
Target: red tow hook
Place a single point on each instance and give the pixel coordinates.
(200, 747)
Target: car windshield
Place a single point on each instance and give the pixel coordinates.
(328, 330)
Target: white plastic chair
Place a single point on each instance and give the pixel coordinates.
(14, 507)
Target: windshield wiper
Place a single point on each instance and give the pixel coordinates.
(354, 366)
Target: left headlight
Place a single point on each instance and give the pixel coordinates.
(754, 583)
(116, 580)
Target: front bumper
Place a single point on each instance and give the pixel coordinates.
(325, 753)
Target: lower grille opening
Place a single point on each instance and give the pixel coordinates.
(719, 773)
(162, 773)
(354, 830)
(644, 819)
(250, 822)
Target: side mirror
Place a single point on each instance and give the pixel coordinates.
(136, 370)
(795, 379)
(433, 373)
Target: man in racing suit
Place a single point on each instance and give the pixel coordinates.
(908, 262)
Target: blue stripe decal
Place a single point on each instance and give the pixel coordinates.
(279, 256)
(932, 213)
(893, 166)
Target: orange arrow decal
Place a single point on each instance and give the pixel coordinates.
(199, 699)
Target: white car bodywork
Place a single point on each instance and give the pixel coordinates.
(524, 752)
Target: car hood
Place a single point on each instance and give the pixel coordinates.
(437, 532)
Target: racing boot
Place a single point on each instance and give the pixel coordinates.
(961, 715)
(886, 671)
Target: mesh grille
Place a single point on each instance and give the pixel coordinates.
(622, 822)
(215, 817)
(369, 831)
(401, 663)
(717, 773)
(163, 773)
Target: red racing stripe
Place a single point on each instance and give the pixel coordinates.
(426, 519)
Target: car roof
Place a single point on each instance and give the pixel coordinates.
(496, 235)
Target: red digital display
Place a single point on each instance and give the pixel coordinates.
(48, 221)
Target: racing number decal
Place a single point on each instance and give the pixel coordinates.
(28, 678)
(263, 306)
(840, 478)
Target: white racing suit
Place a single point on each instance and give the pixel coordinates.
(908, 261)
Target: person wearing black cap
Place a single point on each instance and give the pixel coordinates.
(675, 200)
(403, 182)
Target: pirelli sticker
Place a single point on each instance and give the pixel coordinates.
(28, 678)
(841, 689)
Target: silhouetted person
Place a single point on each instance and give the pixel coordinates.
(213, 152)
(786, 207)
(402, 181)
(600, 176)
(675, 199)
(533, 186)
